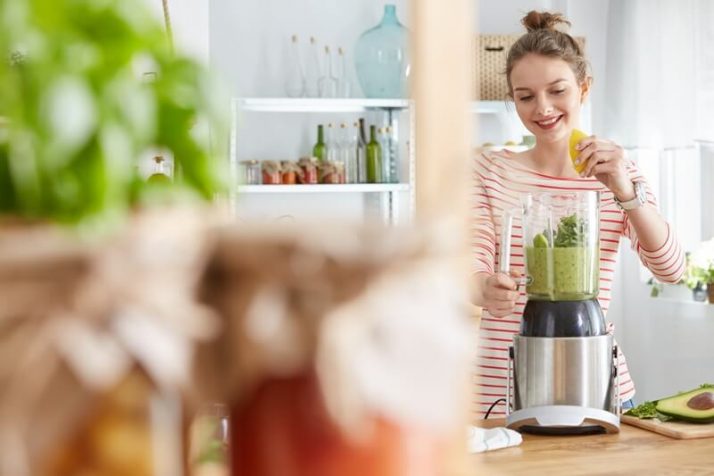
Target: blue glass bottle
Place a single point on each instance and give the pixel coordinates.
(382, 58)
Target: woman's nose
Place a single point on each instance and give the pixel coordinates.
(545, 108)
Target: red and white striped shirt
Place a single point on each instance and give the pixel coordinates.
(500, 181)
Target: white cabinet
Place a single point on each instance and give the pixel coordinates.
(290, 126)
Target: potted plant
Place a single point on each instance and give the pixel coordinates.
(81, 293)
(700, 269)
(78, 112)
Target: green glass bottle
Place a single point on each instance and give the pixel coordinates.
(374, 157)
(320, 149)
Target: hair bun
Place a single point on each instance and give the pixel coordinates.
(544, 21)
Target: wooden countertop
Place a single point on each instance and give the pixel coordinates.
(631, 452)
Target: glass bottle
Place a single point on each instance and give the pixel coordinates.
(331, 142)
(393, 155)
(320, 149)
(313, 71)
(348, 152)
(374, 157)
(361, 152)
(328, 81)
(295, 80)
(382, 58)
(160, 172)
(344, 87)
(383, 139)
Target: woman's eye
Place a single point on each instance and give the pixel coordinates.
(525, 98)
(559, 91)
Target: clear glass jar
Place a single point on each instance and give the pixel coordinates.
(249, 172)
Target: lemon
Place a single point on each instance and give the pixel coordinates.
(540, 241)
(575, 137)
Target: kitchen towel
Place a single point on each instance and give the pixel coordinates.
(481, 439)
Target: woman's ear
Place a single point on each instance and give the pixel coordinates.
(585, 89)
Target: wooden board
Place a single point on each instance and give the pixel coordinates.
(679, 430)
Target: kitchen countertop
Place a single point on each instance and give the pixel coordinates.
(631, 452)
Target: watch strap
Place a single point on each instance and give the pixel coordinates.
(636, 202)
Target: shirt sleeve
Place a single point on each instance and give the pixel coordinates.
(666, 263)
(483, 232)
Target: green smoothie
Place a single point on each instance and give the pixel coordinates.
(562, 274)
(566, 270)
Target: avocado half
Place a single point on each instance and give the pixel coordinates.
(695, 406)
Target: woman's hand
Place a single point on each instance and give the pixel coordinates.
(605, 160)
(500, 292)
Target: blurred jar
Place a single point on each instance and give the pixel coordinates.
(290, 172)
(284, 429)
(309, 168)
(271, 173)
(133, 430)
(249, 172)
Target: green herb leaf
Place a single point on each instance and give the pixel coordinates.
(570, 233)
(646, 410)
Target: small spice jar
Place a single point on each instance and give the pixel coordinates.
(271, 173)
(249, 172)
(330, 173)
(290, 172)
(308, 165)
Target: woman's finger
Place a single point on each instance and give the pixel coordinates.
(599, 158)
(504, 281)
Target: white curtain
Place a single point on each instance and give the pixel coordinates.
(659, 101)
(659, 85)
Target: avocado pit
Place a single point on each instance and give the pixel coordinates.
(703, 401)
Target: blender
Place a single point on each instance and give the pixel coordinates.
(562, 367)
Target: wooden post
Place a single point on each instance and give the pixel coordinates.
(442, 87)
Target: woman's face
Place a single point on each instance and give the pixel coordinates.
(547, 96)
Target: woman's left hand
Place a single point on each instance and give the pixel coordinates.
(605, 160)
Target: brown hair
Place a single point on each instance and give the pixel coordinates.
(546, 39)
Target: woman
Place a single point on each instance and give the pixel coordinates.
(548, 81)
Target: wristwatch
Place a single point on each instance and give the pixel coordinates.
(639, 200)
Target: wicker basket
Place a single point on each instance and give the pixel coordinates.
(491, 53)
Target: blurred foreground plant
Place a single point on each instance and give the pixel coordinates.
(75, 114)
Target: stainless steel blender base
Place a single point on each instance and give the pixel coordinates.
(562, 419)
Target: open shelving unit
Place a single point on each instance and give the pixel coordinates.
(384, 199)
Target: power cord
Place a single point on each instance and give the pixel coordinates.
(492, 406)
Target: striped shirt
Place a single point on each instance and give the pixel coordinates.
(499, 182)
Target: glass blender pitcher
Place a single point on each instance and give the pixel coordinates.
(561, 249)
(562, 367)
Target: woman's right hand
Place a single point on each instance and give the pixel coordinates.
(500, 292)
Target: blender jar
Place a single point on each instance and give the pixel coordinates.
(561, 244)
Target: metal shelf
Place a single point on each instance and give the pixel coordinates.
(326, 188)
(318, 104)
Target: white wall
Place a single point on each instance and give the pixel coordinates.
(249, 38)
(190, 23)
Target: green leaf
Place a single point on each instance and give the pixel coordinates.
(645, 410)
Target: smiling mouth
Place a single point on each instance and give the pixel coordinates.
(549, 123)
